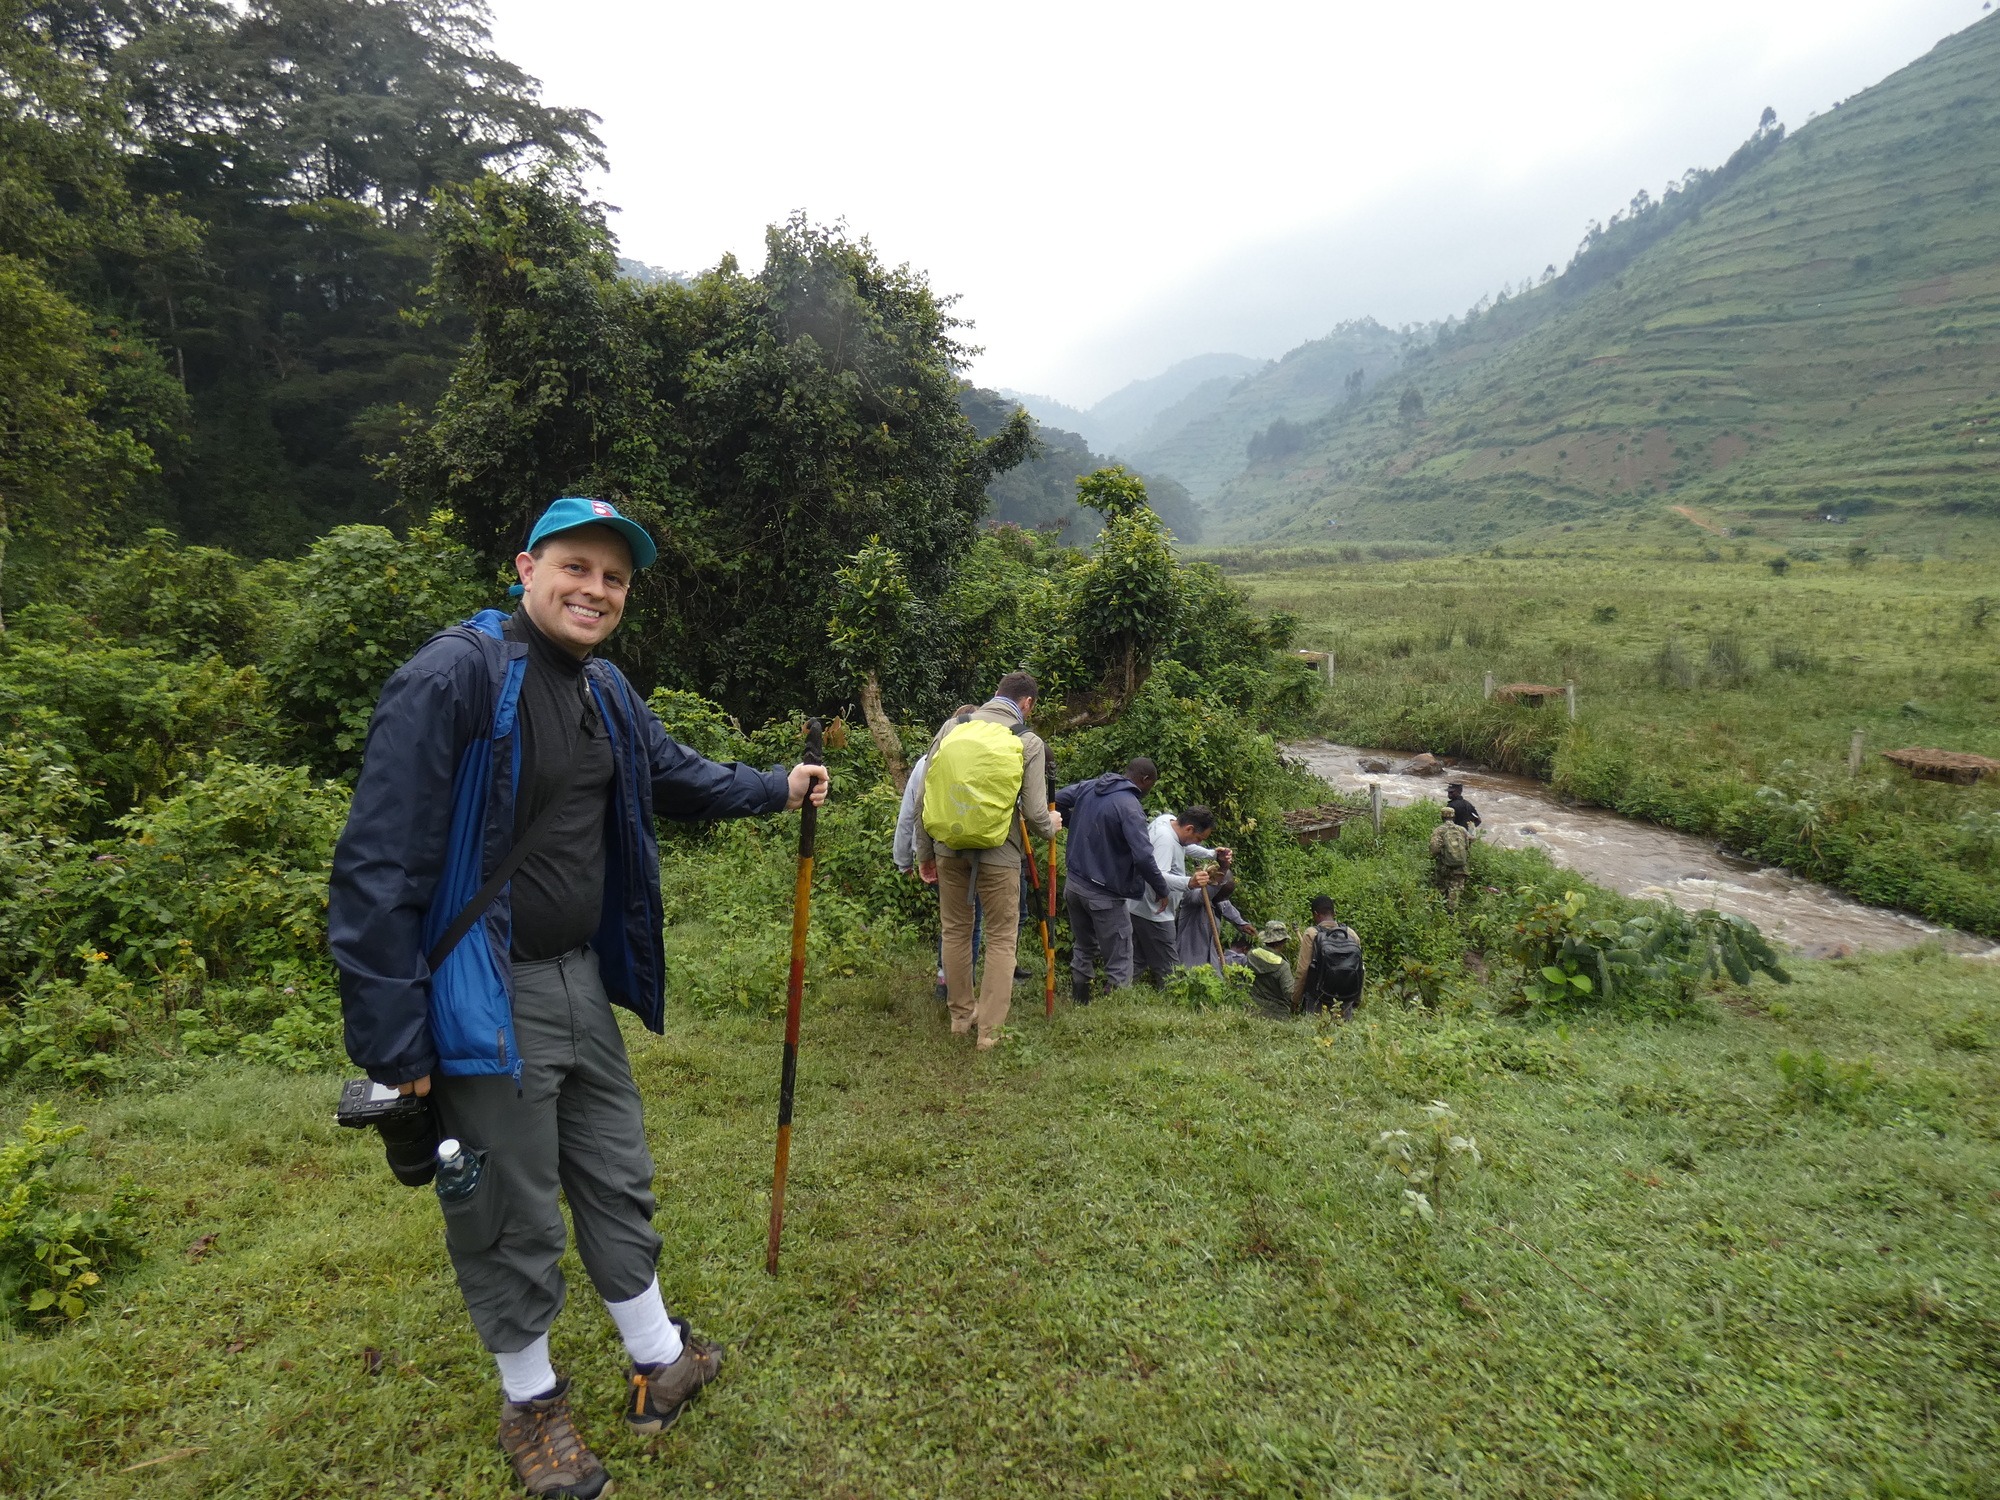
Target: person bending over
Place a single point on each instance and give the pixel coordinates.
(978, 765)
(1173, 837)
(1330, 967)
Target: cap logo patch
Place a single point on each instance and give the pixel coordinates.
(601, 508)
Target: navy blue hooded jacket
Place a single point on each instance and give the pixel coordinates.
(433, 812)
(1108, 842)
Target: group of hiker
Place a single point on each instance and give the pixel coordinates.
(496, 892)
(1137, 912)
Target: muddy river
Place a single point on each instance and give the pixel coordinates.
(1639, 859)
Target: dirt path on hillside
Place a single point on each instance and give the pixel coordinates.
(1682, 510)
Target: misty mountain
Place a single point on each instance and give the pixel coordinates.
(1040, 494)
(1204, 439)
(1112, 423)
(1809, 327)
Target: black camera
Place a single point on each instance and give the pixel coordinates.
(407, 1124)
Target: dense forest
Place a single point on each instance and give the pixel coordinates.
(215, 237)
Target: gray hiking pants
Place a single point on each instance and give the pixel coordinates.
(1100, 928)
(573, 1130)
(1153, 951)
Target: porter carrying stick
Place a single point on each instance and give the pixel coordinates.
(795, 991)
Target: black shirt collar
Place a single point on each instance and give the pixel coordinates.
(541, 649)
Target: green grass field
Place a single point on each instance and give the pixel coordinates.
(1142, 1251)
(1701, 677)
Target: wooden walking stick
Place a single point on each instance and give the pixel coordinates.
(1214, 932)
(1049, 923)
(1035, 885)
(795, 990)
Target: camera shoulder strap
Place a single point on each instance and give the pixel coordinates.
(504, 872)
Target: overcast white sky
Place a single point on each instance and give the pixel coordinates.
(1114, 186)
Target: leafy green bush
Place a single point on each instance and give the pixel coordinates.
(1813, 1082)
(1204, 989)
(186, 599)
(126, 721)
(362, 600)
(71, 1029)
(56, 1246)
(1567, 955)
(225, 878)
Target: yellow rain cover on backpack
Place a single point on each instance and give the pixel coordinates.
(971, 786)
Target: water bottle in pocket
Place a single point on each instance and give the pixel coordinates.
(468, 1195)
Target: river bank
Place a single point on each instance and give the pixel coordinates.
(1642, 860)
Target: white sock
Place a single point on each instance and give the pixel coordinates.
(527, 1373)
(650, 1335)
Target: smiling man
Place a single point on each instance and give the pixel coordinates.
(507, 742)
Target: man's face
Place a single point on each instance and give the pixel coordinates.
(575, 591)
(1187, 833)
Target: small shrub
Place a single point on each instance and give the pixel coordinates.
(1204, 989)
(1786, 657)
(1779, 566)
(1427, 1159)
(1812, 1082)
(73, 1030)
(55, 1248)
(1671, 667)
(1728, 661)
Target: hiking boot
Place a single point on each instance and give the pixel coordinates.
(542, 1443)
(1079, 992)
(657, 1394)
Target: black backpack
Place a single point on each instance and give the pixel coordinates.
(1337, 970)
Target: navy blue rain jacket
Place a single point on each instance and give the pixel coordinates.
(1108, 842)
(433, 812)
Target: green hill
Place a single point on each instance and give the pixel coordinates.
(1203, 439)
(1813, 328)
(1040, 493)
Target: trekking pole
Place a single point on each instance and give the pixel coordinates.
(795, 990)
(1035, 885)
(1049, 922)
(1214, 932)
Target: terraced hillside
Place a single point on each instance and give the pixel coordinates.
(1813, 329)
(1204, 439)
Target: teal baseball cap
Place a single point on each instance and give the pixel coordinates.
(573, 511)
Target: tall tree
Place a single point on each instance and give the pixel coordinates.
(84, 399)
(308, 137)
(764, 426)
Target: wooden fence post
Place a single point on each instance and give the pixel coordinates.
(1854, 754)
(1486, 690)
(1375, 804)
(1569, 692)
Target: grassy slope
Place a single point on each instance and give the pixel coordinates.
(1142, 1252)
(1201, 441)
(1827, 332)
(1886, 636)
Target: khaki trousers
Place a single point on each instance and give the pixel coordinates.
(999, 891)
